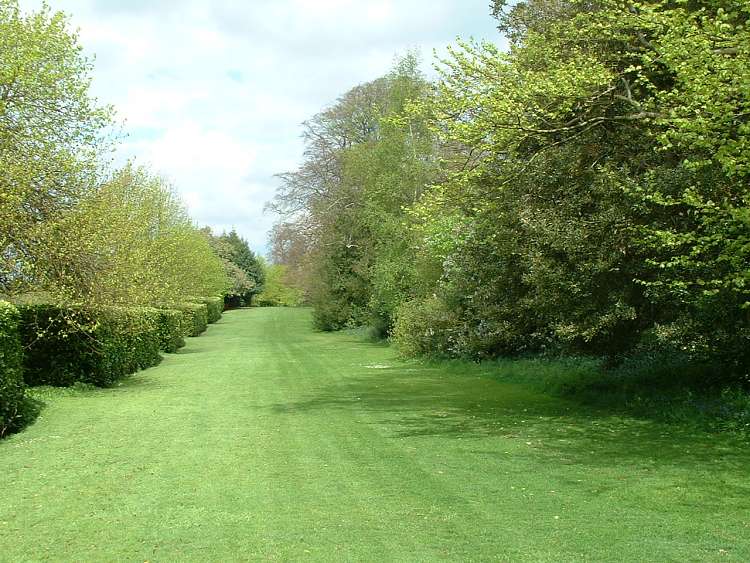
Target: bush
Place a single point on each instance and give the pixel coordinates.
(12, 397)
(169, 323)
(96, 346)
(194, 318)
(329, 316)
(233, 302)
(423, 328)
(214, 306)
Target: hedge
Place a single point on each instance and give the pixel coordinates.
(68, 345)
(12, 398)
(215, 307)
(169, 322)
(194, 318)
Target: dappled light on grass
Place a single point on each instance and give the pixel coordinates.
(428, 402)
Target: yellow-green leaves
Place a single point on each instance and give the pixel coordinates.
(51, 129)
(129, 242)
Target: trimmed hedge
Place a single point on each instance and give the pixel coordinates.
(214, 306)
(68, 345)
(194, 318)
(169, 322)
(12, 388)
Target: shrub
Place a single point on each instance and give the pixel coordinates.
(169, 326)
(194, 318)
(96, 346)
(276, 291)
(233, 302)
(423, 328)
(214, 306)
(12, 398)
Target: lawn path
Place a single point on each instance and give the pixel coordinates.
(263, 440)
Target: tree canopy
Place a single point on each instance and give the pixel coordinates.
(51, 129)
(71, 229)
(585, 191)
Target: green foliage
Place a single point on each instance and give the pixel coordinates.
(169, 327)
(245, 267)
(95, 346)
(51, 130)
(423, 328)
(572, 220)
(68, 230)
(367, 159)
(13, 402)
(130, 242)
(194, 318)
(276, 291)
(71, 233)
(579, 193)
(214, 308)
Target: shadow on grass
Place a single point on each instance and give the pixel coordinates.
(187, 351)
(430, 403)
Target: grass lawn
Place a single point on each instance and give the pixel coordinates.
(263, 440)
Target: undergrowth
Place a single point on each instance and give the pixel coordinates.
(666, 388)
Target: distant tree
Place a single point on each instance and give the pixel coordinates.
(277, 291)
(342, 209)
(290, 245)
(239, 282)
(245, 259)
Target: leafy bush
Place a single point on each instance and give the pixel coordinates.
(12, 398)
(194, 318)
(335, 314)
(214, 308)
(97, 346)
(169, 323)
(422, 328)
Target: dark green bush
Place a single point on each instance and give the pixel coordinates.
(68, 345)
(233, 302)
(12, 398)
(194, 318)
(169, 323)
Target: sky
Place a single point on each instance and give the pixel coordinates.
(212, 93)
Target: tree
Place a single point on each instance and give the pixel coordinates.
(130, 242)
(365, 160)
(51, 130)
(595, 188)
(277, 292)
(248, 263)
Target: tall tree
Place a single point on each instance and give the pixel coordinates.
(365, 160)
(598, 189)
(51, 129)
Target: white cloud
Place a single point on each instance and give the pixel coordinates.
(213, 92)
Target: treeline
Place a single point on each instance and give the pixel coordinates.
(100, 269)
(585, 192)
